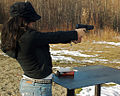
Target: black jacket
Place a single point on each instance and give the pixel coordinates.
(33, 51)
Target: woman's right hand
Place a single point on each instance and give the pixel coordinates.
(81, 33)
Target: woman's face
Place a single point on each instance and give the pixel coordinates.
(31, 24)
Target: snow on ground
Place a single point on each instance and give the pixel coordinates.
(101, 60)
(57, 55)
(105, 91)
(93, 60)
(62, 58)
(87, 91)
(3, 54)
(116, 61)
(72, 53)
(87, 61)
(110, 43)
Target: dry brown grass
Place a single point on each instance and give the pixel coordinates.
(106, 34)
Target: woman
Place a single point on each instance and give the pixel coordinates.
(31, 48)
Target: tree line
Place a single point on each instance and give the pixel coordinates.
(65, 14)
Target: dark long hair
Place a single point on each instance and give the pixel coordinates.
(12, 31)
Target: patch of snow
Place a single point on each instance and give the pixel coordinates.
(53, 45)
(99, 51)
(105, 91)
(118, 67)
(88, 61)
(4, 54)
(87, 91)
(94, 60)
(109, 46)
(62, 58)
(97, 59)
(115, 61)
(67, 52)
(81, 51)
(110, 43)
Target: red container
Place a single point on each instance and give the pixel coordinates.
(71, 73)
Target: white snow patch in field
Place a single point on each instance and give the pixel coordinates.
(88, 61)
(115, 61)
(105, 91)
(110, 43)
(4, 54)
(94, 60)
(118, 67)
(73, 53)
(99, 51)
(62, 58)
(56, 55)
(97, 59)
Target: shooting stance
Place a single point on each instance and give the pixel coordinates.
(31, 48)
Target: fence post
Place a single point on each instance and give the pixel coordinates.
(98, 90)
(70, 92)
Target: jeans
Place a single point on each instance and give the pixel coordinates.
(35, 89)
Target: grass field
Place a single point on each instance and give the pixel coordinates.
(90, 45)
(93, 52)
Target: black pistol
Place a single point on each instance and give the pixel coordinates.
(87, 27)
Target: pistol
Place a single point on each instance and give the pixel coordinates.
(87, 27)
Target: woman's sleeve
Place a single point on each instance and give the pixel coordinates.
(55, 37)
